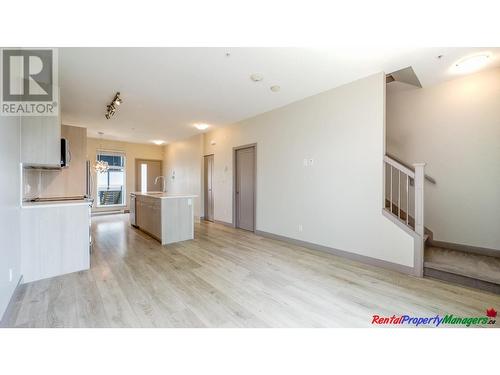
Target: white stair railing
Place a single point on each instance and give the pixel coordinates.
(404, 193)
(404, 199)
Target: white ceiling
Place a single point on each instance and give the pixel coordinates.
(167, 90)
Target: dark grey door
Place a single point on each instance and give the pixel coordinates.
(208, 187)
(245, 188)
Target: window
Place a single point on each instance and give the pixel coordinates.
(111, 184)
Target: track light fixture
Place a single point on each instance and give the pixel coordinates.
(110, 111)
(111, 108)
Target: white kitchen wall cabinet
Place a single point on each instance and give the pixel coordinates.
(41, 141)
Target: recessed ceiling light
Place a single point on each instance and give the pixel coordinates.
(256, 77)
(158, 142)
(201, 126)
(471, 64)
(275, 88)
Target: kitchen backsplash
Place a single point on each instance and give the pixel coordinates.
(32, 184)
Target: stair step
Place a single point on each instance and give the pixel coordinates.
(474, 266)
(462, 280)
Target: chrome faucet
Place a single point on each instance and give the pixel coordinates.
(164, 189)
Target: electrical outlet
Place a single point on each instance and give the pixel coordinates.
(300, 228)
(10, 275)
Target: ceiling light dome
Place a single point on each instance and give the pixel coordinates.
(256, 77)
(201, 126)
(472, 63)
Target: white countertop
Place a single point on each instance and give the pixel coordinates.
(55, 204)
(161, 195)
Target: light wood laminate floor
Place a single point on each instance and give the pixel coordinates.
(227, 278)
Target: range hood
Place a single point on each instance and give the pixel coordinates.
(42, 167)
(65, 160)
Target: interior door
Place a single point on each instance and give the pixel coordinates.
(146, 172)
(245, 188)
(208, 187)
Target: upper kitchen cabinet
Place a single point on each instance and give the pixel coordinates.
(41, 141)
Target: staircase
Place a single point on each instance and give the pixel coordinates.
(404, 201)
(463, 267)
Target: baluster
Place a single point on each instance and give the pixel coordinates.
(407, 199)
(390, 198)
(399, 194)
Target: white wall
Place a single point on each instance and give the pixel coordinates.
(10, 197)
(338, 200)
(185, 159)
(455, 128)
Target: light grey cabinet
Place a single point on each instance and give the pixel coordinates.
(148, 215)
(41, 141)
(167, 218)
(55, 240)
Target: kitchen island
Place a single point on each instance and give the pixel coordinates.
(166, 217)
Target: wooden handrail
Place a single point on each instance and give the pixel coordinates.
(406, 165)
(399, 166)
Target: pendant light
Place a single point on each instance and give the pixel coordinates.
(101, 166)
